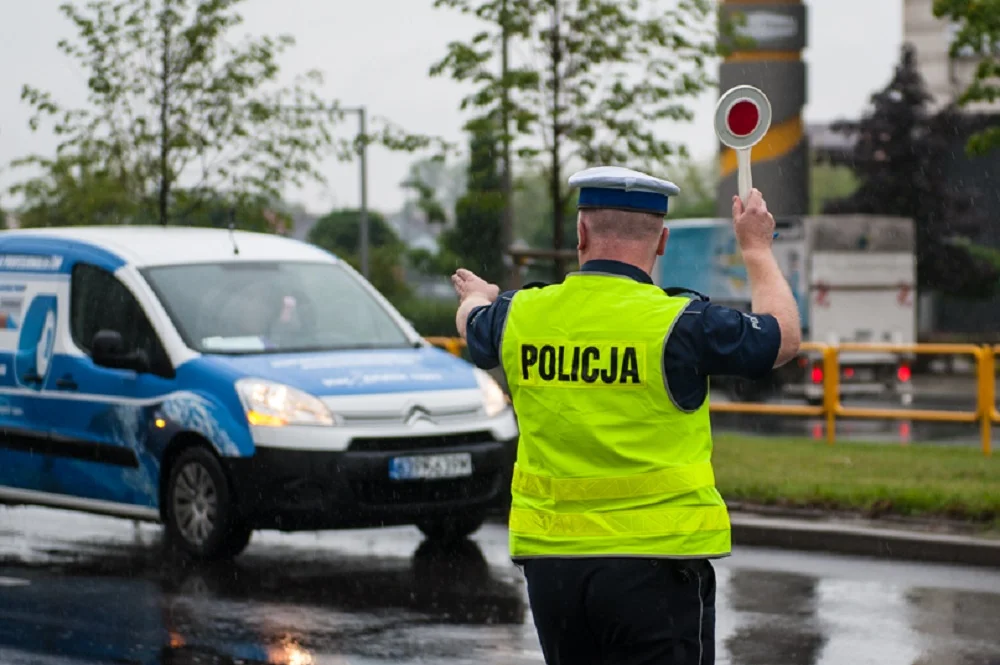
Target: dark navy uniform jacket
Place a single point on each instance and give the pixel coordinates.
(706, 339)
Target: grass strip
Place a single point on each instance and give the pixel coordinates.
(875, 479)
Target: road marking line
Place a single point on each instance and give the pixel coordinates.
(13, 581)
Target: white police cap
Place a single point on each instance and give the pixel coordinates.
(623, 189)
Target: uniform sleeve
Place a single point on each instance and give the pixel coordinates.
(724, 341)
(484, 331)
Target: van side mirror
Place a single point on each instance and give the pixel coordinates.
(108, 350)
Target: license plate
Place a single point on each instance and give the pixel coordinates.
(863, 375)
(428, 467)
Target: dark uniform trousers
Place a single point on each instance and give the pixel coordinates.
(623, 611)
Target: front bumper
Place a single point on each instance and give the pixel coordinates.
(299, 490)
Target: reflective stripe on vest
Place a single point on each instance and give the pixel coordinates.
(677, 480)
(665, 521)
(607, 465)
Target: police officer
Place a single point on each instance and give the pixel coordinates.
(615, 515)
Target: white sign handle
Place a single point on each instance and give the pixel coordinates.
(744, 179)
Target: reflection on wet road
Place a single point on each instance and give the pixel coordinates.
(82, 589)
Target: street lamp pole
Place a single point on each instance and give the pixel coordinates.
(363, 158)
(364, 192)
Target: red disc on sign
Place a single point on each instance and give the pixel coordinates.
(743, 118)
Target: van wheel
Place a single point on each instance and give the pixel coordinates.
(450, 529)
(200, 513)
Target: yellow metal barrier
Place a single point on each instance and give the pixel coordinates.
(985, 415)
(452, 345)
(987, 390)
(775, 409)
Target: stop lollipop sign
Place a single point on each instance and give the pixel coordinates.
(742, 117)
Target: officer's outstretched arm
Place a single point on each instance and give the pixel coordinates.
(769, 290)
(464, 309)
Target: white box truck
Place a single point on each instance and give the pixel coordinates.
(854, 277)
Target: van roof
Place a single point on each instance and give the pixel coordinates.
(144, 246)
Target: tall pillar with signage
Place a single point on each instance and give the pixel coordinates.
(773, 63)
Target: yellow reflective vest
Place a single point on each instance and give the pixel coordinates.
(607, 464)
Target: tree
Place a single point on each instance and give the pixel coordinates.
(978, 36)
(475, 238)
(427, 201)
(74, 191)
(697, 197)
(220, 212)
(438, 185)
(174, 104)
(599, 76)
(899, 157)
(829, 182)
(338, 233)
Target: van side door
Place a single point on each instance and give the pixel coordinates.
(99, 417)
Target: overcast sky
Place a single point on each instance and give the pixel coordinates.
(377, 53)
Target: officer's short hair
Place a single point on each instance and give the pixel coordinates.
(622, 224)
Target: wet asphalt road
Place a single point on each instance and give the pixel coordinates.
(79, 589)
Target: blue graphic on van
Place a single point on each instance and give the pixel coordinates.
(131, 426)
(193, 413)
(36, 342)
(49, 256)
(119, 409)
(128, 425)
(11, 305)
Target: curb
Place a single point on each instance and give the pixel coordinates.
(882, 543)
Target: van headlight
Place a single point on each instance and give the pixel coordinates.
(269, 404)
(494, 399)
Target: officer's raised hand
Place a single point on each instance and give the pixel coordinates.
(753, 224)
(468, 283)
(473, 291)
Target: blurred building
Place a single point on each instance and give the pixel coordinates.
(946, 76)
(827, 145)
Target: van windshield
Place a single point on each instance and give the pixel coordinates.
(273, 307)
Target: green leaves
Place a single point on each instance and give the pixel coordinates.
(338, 233)
(977, 36)
(178, 108)
(587, 81)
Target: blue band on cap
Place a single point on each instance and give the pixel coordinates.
(600, 197)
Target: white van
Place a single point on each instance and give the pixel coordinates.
(223, 382)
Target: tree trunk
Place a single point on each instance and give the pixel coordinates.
(164, 193)
(555, 185)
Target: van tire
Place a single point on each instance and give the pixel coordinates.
(450, 529)
(198, 489)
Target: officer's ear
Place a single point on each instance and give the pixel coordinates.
(662, 246)
(582, 234)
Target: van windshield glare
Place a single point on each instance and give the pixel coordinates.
(273, 307)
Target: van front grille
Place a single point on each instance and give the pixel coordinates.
(393, 444)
